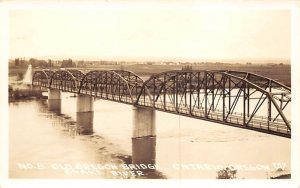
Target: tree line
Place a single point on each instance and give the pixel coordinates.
(38, 63)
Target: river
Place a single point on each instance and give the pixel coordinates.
(43, 144)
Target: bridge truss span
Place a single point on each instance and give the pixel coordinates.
(221, 96)
(65, 80)
(110, 85)
(236, 98)
(42, 78)
(134, 82)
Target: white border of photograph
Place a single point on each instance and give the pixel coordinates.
(5, 6)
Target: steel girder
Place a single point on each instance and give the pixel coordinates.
(65, 80)
(134, 81)
(120, 85)
(228, 97)
(42, 78)
(110, 85)
(259, 80)
(280, 94)
(78, 75)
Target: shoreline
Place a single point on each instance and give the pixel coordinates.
(23, 92)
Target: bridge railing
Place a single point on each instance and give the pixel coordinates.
(236, 118)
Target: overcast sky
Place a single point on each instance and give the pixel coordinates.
(150, 32)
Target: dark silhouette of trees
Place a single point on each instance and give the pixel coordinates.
(19, 62)
(67, 63)
(81, 64)
(38, 63)
(187, 67)
(227, 173)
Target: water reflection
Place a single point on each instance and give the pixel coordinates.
(54, 105)
(85, 122)
(144, 157)
(57, 119)
(143, 150)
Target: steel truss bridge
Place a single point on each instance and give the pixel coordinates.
(234, 98)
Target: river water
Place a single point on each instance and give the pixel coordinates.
(43, 144)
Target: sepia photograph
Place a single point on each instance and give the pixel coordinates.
(113, 90)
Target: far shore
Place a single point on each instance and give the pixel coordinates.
(278, 72)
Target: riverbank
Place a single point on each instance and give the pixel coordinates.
(23, 92)
(18, 91)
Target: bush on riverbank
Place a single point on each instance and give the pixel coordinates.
(227, 173)
(24, 94)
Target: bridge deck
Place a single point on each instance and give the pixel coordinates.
(258, 123)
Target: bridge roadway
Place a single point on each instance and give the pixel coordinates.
(234, 98)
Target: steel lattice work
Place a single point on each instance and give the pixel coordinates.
(64, 80)
(135, 82)
(42, 78)
(111, 85)
(234, 98)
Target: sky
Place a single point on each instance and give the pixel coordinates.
(150, 32)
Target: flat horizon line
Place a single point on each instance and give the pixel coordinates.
(147, 59)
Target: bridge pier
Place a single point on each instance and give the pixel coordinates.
(54, 100)
(144, 150)
(85, 114)
(143, 122)
(144, 136)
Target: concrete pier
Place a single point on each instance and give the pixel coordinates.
(144, 153)
(54, 100)
(143, 122)
(85, 114)
(144, 150)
